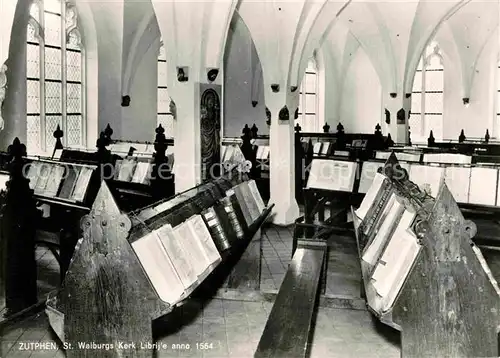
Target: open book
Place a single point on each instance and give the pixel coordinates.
(332, 175)
(159, 268)
(371, 195)
(384, 228)
(395, 264)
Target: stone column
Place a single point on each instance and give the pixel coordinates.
(187, 147)
(398, 105)
(282, 163)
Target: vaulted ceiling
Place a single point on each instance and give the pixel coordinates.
(392, 33)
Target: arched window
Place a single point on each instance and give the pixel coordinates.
(308, 101)
(427, 96)
(55, 71)
(165, 117)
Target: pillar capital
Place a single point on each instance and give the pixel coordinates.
(397, 106)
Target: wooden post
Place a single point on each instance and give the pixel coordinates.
(431, 141)
(58, 134)
(299, 164)
(248, 151)
(108, 132)
(461, 137)
(106, 296)
(162, 183)
(340, 145)
(17, 237)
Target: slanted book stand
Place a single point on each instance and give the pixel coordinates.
(108, 297)
(448, 302)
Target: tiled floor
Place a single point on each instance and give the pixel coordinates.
(47, 273)
(232, 328)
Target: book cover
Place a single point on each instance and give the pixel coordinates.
(256, 195)
(242, 200)
(81, 184)
(69, 182)
(216, 230)
(234, 229)
(54, 183)
(231, 197)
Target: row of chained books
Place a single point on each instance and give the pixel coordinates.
(390, 244)
(68, 181)
(178, 258)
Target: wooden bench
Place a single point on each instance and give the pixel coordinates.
(289, 325)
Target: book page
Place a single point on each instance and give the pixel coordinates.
(82, 184)
(382, 155)
(33, 174)
(458, 179)
(192, 247)
(260, 152)
(370, 196)
(4, 178)
(332, 175)
(394, 258)
(483, 186)
(69, 182)
(159, 268)
(428, 178)
(222, 152)
(242, 201)
(201, 233)
(177, 253)
(43, 179)
(55, 181)
(387, 222)
(368, 172)
(317, 147)
(265, 155)
(127, 169)
(256, 195)
(324, 148)
(447, 158)
(251, 202)
(408, 257)
(57, 154)
(142, 173)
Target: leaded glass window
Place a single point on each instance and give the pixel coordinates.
(427, 96)
(308, 100)
(165, 117)
(55, 77)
